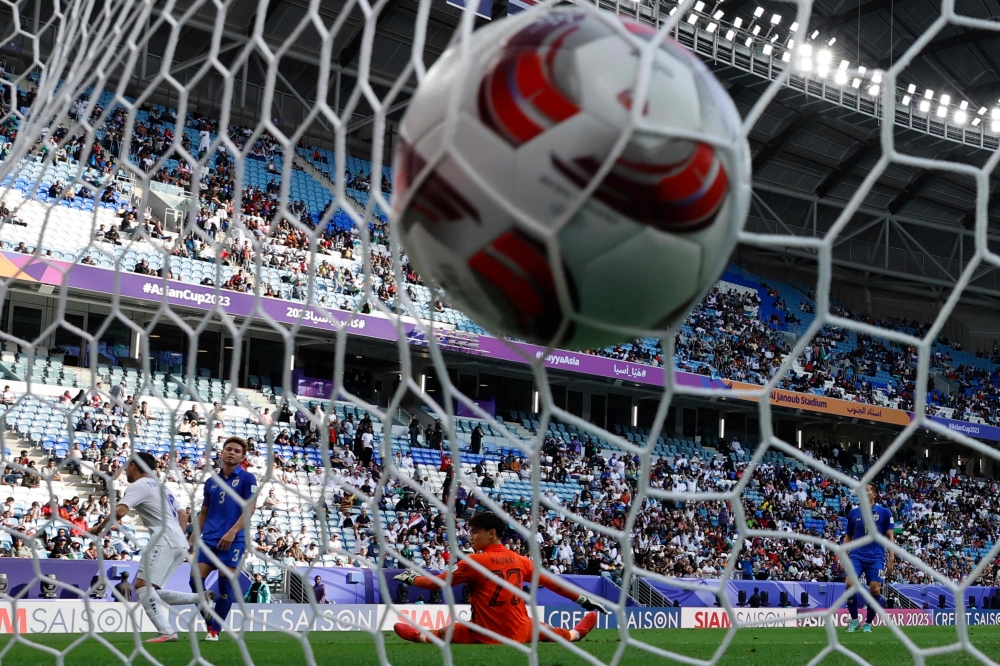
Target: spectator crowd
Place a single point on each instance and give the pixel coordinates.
(946, 519)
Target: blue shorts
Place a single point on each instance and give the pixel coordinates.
(869, 569)
(229, 558)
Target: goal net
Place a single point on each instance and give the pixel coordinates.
(197, 243)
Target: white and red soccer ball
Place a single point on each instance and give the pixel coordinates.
(490, 194)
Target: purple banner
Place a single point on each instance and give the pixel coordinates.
(237, 304)
(820, 595)
(976, 430)
(488, 405)
(78, 574)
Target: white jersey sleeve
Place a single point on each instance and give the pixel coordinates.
(157, 507)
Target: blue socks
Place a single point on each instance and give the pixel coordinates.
(223, 603)
(871, 609)
(854, 601)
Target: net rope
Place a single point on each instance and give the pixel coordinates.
(101, 48)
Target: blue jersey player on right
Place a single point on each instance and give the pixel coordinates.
(220, 524)
(871, 562)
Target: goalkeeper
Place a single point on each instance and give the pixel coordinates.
(496, 607)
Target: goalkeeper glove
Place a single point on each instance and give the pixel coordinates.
(407, 577)
(592, 604)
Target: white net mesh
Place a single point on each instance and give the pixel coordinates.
(150, 187)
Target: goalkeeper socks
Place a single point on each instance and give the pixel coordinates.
(852, 606)
(179, 598)
(871, 609)
(223, 603)
(154, 608)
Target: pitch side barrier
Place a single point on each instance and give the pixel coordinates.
(639, 617)
(973, 618)
(71, 617)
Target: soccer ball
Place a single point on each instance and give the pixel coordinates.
(493, 191)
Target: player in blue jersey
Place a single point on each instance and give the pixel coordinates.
(871, 561)
(220, 524)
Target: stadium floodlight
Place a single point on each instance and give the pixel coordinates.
(925, 106)
(814, 35)
(844, 65)
(906, 100)
(768, 49)
(805, 58)
(982, 110)
(774, 38)
(756, 30)
(673, 10)
(995, 113)
(912, 88)
(692, 19)
(840, 78)
(718, 15)
(698, 6)
(737, 22)
(960, 117)
(790, 45)
(794, 26)
(862, 69)
(928, 94)
(876, 77)
(995, 126)
(942, 111)
(711, 28)
(730, 34)
(873, 90)
(748, 42)
(946, 99)
(856, 83)
(775, 19)
(831, 41)
(824, 57)
(757, 13)
(976, 121)
(786, 56)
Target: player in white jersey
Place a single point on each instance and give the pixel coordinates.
(168, 546)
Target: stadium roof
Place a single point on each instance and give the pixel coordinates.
(812, 147)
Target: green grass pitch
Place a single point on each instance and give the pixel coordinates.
(750, 647)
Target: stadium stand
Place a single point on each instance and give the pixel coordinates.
(742, 331)
(935, 509)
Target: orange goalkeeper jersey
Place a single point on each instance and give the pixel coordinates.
(495, 607)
